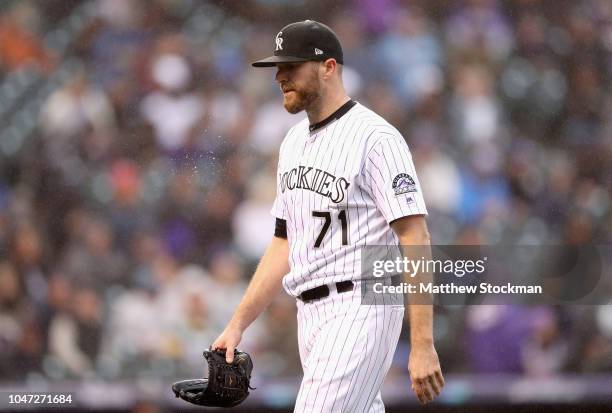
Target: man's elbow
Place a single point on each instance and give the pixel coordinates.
(423, 236)
(412, 230)
(420, 237)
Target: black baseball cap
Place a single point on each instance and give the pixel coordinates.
(304, 41)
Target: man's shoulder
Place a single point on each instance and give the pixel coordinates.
(374, 123)
(375, 128)
(297, 129)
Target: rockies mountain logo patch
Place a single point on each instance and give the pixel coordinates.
(403, 183)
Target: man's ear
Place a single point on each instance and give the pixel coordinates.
(328, 68)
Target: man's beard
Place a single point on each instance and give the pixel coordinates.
(302, 99)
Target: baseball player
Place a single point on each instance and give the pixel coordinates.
(345, 180)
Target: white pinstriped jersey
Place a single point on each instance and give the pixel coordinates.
(338, 188)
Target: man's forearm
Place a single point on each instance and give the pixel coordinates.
(421, 323)
(415, 245)
(264, 285)
(420, 303)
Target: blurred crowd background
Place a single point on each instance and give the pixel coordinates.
(138, 154)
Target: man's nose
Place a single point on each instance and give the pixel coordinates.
(281, 75)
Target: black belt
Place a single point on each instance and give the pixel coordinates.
(322, 291)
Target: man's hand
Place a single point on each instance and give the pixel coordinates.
(425, 372)
(228, 340)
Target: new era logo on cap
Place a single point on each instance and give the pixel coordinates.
(304, 41)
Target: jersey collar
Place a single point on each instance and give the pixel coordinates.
(334, 116)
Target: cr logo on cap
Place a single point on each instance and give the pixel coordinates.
(279, 41)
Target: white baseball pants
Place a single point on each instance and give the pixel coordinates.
(346, 350)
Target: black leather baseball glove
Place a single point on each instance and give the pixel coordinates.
(227, 385)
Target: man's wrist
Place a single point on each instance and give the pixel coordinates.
(236, 325)
(422, 342)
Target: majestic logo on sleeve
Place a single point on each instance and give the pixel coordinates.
(315, 180)
(279, 41)
(403, 183)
